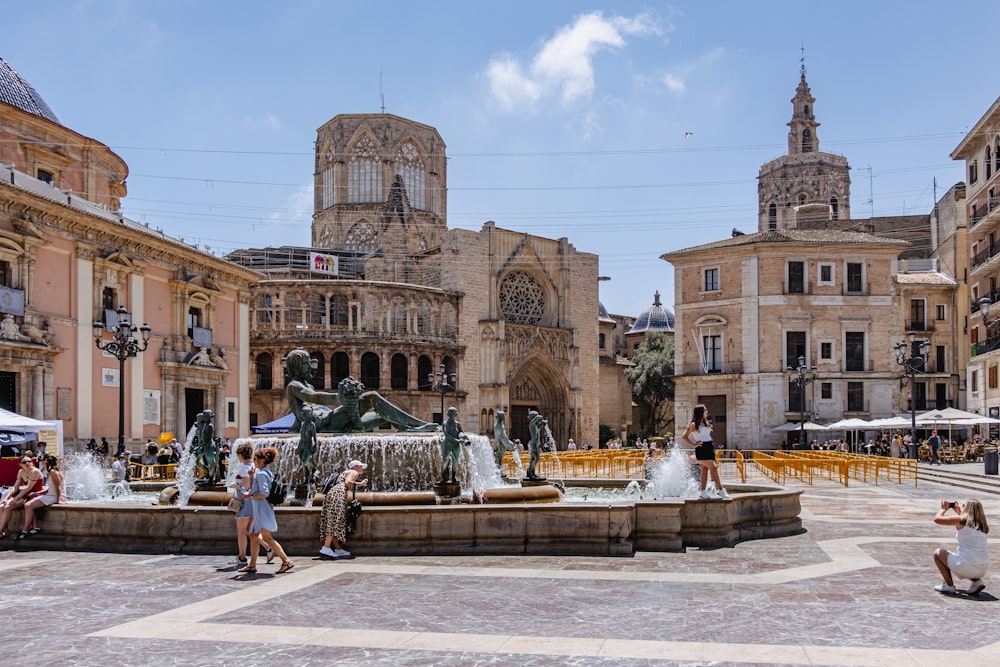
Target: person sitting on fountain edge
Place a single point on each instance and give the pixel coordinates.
(350, 410)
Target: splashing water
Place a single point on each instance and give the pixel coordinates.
(672, 476)
(185, 470)
(87, 479)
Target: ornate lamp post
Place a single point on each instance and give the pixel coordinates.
(801, 379)
(912, 356)
(122, 345)
(442, 382)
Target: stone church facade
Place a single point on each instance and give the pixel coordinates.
(512, 316)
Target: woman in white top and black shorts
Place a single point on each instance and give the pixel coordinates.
(699, 435)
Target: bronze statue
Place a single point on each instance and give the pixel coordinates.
(206, 448)
(501, 443)
(535, 425)
(350, 410)
(308, 444)
(454, 437)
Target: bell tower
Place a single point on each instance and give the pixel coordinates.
(806, 188)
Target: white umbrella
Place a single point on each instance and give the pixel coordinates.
(947, 416)
(851, 424)
(797, 426)
(889, 422)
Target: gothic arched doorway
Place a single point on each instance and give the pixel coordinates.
(538, 384)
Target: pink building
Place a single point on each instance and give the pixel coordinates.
(68, 259)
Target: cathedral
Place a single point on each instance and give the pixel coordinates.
(485, 320)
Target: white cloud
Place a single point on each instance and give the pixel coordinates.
(273, 121)
(676, 81)
(298, 208)
(563, 65)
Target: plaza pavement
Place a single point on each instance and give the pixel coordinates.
(855, 588)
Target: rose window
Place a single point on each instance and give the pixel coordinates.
(522, 299)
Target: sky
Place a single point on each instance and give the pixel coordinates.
(632, 129)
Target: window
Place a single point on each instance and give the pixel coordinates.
(711, 280)
(713, 353)
(826, 275)
(772, 217)
(855, 396)
(941, 359)
(364, 173)
(918, 320)
(975, 382)
(854, 351)
(973, 172)
(410, 168)
(835, 208)
(6, 274)
(991, 374)
(231, 412)
(371, 370)
(264, 371)
(989, 162)
(855, 278)
(796, 278)
(340, 368)
(398, 367)
(45, 176)
(796, 397)
(329, 181)
(826, 390)
(601, 341)
(807, 141)
(920, 391)
(942, 312)
(826, 350)
(193, 320)
(795, 347)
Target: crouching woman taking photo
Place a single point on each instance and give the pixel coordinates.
(972, 559)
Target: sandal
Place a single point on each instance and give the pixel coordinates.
(270, 555)
(248, 570)
(285, 567)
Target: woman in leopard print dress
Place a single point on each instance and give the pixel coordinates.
(333, 520)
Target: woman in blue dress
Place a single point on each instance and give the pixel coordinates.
(264, 523)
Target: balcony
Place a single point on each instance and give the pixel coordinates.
(984, 346)
(324, 332)
(732, 368)
(992, 203)
(921, 325)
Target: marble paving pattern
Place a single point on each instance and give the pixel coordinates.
(855, 588)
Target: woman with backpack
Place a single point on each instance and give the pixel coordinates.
(333, 520)
(264, 522)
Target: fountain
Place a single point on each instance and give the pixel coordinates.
(405, 517)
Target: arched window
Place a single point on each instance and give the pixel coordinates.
(362, 238)
(338, 310)
(772, 216)
(807, 141)
(410, 167)
(364, 173)
(293, 309)
(802, 199)
(398, 315)
(835, 208)
(319, 373)
(398, 372)
(340, 368)
(265, 375)
(371, 370)
(423, 317)
(989, 161)
(449, 320)
(423, 370)
(996, 155)
(805, 110)
(316, 310)
(265, 312)
(449, 366)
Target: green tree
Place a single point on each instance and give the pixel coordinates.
(652, 385)
(605, 433)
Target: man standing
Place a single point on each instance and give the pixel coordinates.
(935, 442)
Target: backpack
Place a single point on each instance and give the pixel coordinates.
(276, 495)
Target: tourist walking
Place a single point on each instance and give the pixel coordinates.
(935, 443)
(333, 519)
(27, 483)
(52, 493)
(698, 434)
(244, 515)
(972, 559)
(264, 523)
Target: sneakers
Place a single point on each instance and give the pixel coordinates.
(976, 588)
(342, 553)
(945, 588)
(704, 495)
(237, 561)
(723, 495)
(328, 552)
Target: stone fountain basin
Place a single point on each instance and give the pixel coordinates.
(617, 528)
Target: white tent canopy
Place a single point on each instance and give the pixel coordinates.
(11, 421)
(953, 416)
(851, 424)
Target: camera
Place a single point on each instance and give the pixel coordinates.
(952, 505)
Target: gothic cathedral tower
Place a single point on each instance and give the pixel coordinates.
(805, 189)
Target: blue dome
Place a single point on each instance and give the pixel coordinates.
(654, 318)
(17, 92)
